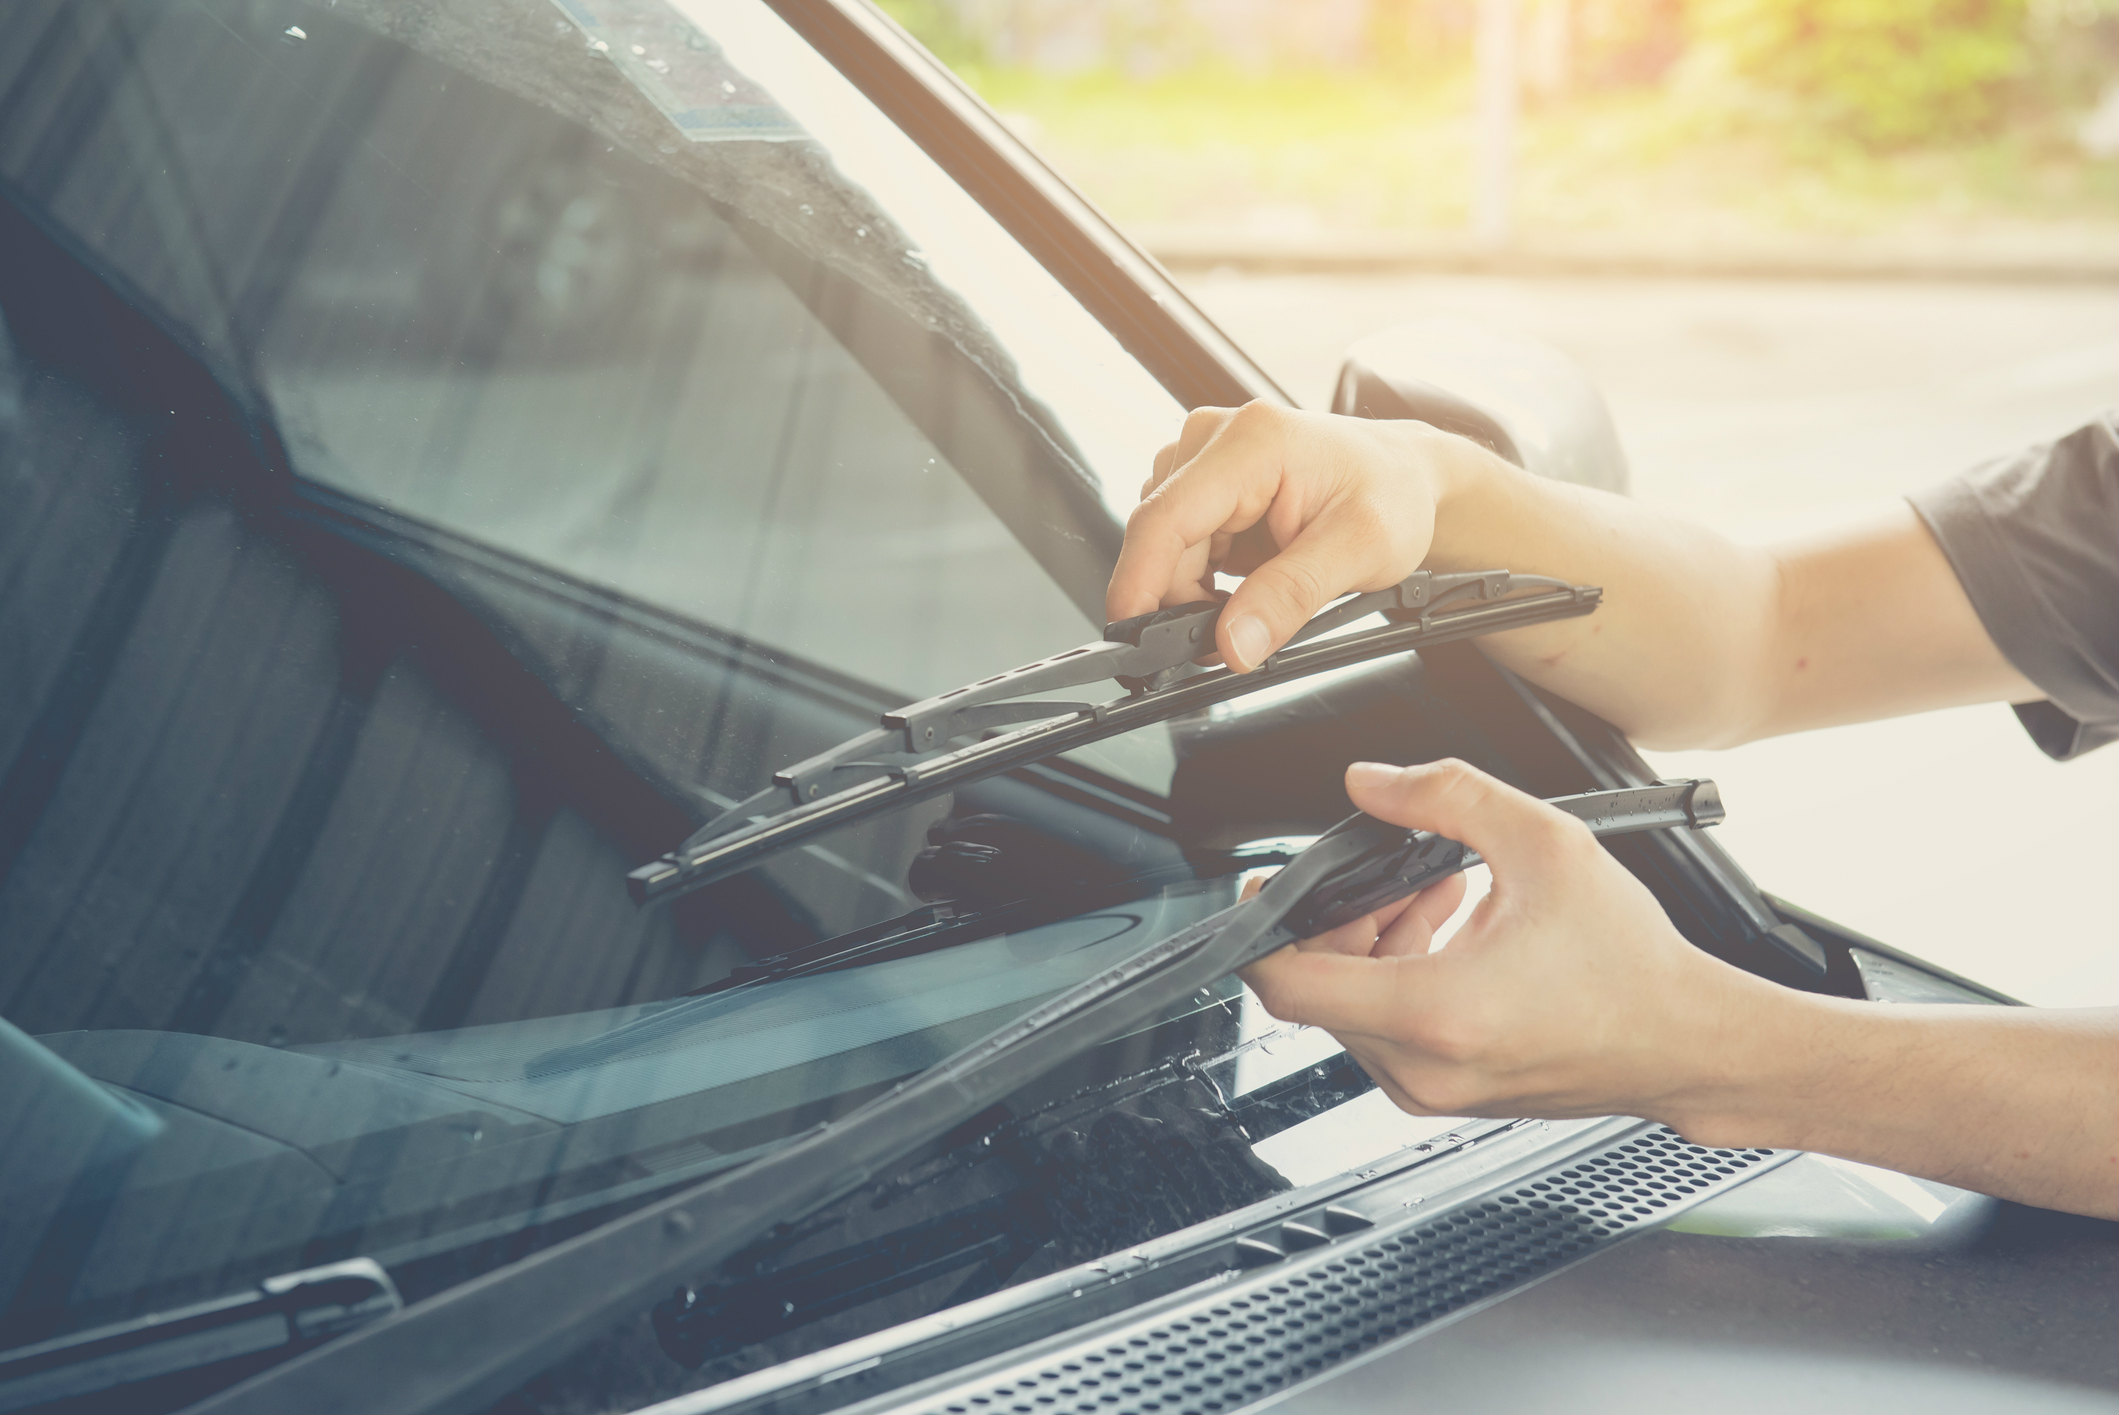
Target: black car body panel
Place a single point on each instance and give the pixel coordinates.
(2005, 1309)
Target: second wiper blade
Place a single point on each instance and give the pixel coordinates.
(908, 757)
(465, 1347)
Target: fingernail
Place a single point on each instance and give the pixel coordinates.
(1248, 640)
(1369, 774)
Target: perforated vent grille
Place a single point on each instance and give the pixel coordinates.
(1224, 1355)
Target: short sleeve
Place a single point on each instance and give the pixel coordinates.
(2034, 538)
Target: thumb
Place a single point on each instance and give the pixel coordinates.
(1513, 831)
(1279, 597)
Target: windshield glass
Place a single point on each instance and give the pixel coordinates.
(447, 452)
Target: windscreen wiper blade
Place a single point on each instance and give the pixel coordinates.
(920, 750)
(278, 1318)
(467, 1346)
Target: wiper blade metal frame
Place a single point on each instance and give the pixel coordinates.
(469, 1345)
(1144, 653)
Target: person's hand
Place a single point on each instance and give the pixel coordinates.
(1567, 992)
(1305, 506)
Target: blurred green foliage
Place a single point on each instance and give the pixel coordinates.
(941, 26)
(1885, 72)
(1697, 121)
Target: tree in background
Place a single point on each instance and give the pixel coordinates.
(1885, 72)
(1143, 38)
(1288, 116)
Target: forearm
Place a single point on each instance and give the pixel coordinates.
(1703, 642)
(1699, 641)
(1676, 655)
(2020, 1103)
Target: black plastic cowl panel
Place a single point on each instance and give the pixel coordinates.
(1285, 1322)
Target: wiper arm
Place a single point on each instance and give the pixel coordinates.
(280, 1317)
(470, 1345)
(910, 755)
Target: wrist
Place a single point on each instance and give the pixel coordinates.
(1764, 1060)
(1454, 470)
(1461, 482)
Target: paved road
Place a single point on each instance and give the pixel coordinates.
(1763, 407)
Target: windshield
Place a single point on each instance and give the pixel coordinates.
(447, 452)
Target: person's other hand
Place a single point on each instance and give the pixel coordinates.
(1305, 506)
(1567, 992)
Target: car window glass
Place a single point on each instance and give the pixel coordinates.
(470, 309)
(424, 498)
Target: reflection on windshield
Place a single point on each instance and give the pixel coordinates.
(817, 1036)
(1112, 410)
(425, 490)
(433, 478)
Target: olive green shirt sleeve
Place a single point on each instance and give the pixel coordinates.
(2034, 538)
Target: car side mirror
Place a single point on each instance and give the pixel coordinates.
(1517, 396)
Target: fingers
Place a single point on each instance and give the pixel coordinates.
(1360, 936)
(1324, 561)
(1403, 928)
(1165, 462)
(1201, 427)
(1303, 505)
(1341, 993)
(1412, 934)
(1162, 534)
(1181, 512)
(1513, 831)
